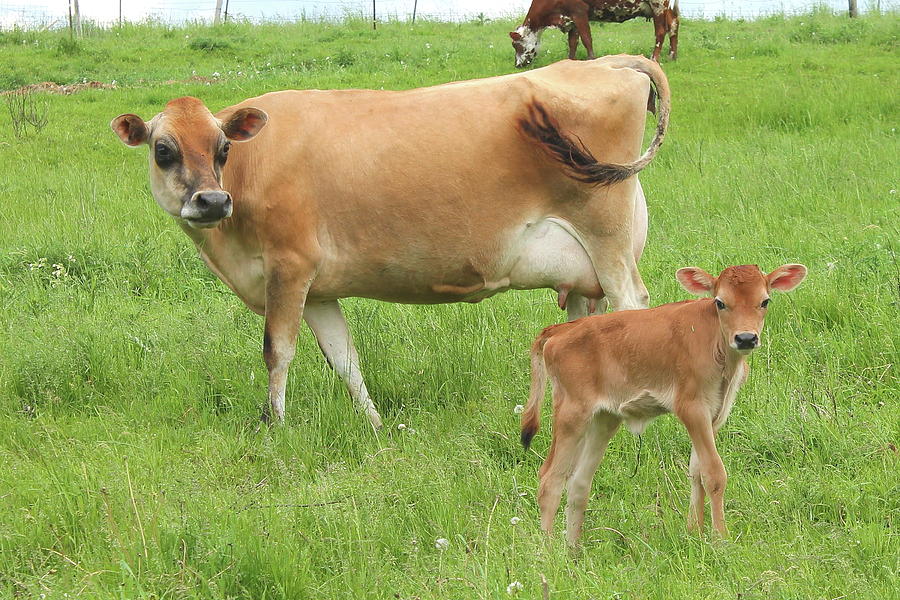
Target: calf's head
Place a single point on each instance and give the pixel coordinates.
(526, 43)
(741, 298)
(188, 150)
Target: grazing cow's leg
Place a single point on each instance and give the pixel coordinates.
(330, 328)
(569, 423)
(573, 43)
(601, 429)
(713, 477)
(673, 24)
(583, 26)
(698, 496)
(286, 290)
(659, 25)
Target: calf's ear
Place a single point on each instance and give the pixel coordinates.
(786, 277)
(515, 35)
(131, 129)
(244, 123)
(696, 280)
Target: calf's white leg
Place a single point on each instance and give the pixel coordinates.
(330, 328)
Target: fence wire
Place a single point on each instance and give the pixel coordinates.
(37, 14)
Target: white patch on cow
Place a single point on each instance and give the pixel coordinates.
(527, 48)
(566, 24)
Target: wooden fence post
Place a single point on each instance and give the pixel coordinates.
(853, 12)
(218, 17)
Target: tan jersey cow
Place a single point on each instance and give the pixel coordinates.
(687, 357)
(443, 194)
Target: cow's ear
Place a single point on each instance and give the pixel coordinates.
(515, 35)
(244, 123)
(131, 129)
(786, 277)
(696, 280)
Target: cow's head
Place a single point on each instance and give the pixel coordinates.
(188, 149)
(741, 298)
(526, 44)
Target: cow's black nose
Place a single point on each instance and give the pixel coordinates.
(746, 341)
(212, 204)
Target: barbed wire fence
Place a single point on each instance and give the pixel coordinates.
(53, 14)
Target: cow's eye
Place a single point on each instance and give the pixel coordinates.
(764, 303)
(719, 304)
(223, 153)
(164, 155)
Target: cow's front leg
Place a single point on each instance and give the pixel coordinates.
(330, 328)
(573, 42)
(583, 25)
(286, 289)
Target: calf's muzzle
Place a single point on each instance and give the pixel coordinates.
(746, 341)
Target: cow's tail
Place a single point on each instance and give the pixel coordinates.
(578, 161)
(531, 418)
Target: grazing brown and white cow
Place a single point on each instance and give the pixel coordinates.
(443, 194)
(687, 357)
(573, 18)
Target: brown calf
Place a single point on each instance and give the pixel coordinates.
(687, 357)
(573, 18)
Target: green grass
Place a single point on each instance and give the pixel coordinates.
(131, 379)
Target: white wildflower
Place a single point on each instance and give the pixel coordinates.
(216, 74)
(401, 426)
(427, 45)
(518, 409)
(893, 191)
(514, 588)
(515, 520)
(442, 544)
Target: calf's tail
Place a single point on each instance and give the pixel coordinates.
(531, 418)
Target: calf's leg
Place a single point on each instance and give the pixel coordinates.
(713, 477)
(698, 496)
(330, 328)
(569, 424)
(602, 428)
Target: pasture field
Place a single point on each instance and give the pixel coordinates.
(131, 379)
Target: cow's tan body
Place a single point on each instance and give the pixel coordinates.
(427, 196)
(687, 358)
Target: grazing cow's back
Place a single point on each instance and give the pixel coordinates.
(443, 194)
(573, 18)
(687, 357)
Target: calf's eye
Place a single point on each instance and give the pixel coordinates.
(223, 153)
(719, 304)
(765, 303)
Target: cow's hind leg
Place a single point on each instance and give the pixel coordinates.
(602, 428)
(659, 27)
(612, 249)
(330, 328)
